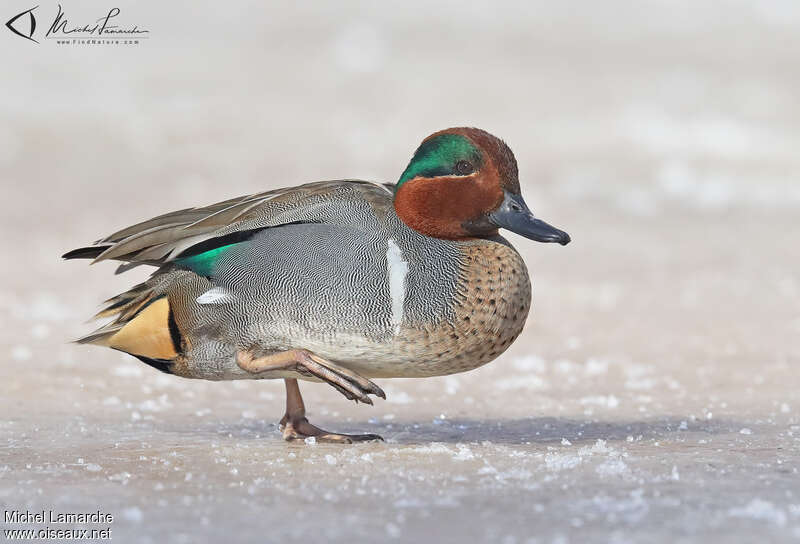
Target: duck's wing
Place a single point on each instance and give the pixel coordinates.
(167, 237)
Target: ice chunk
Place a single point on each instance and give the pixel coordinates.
(464, 453)
(600, 447)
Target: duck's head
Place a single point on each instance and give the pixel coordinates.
(464, 183)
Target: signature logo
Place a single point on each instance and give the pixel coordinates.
(32, 24)
(107, 28)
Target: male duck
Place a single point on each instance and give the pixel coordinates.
(334, 281)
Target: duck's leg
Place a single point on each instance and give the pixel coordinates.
(295, 425)
(347, 382)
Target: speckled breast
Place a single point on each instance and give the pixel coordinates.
(491, 305)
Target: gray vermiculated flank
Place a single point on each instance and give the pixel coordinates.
(329, 279)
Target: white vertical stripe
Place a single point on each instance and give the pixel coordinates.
(397, 270)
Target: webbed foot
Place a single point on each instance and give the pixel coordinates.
(295, 425)
(300, 429)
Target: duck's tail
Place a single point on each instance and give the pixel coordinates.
(144, 326)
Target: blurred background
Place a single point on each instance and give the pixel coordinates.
(654, 394)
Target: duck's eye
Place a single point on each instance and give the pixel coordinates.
(464, 168)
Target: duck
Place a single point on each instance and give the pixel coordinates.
(341, 282)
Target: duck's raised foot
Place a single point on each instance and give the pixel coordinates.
(347, 382)
(302, 429)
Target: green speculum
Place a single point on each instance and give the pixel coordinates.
(203, 264)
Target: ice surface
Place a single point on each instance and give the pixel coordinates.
(653, 395)
(762, 510)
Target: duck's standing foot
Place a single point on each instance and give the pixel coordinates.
(295, 426)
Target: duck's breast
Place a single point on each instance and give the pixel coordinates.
(485, 314)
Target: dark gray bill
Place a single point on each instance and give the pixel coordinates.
(514, 215)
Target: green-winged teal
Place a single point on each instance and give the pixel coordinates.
(334, 281)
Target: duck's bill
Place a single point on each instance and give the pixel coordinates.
(514, 215)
